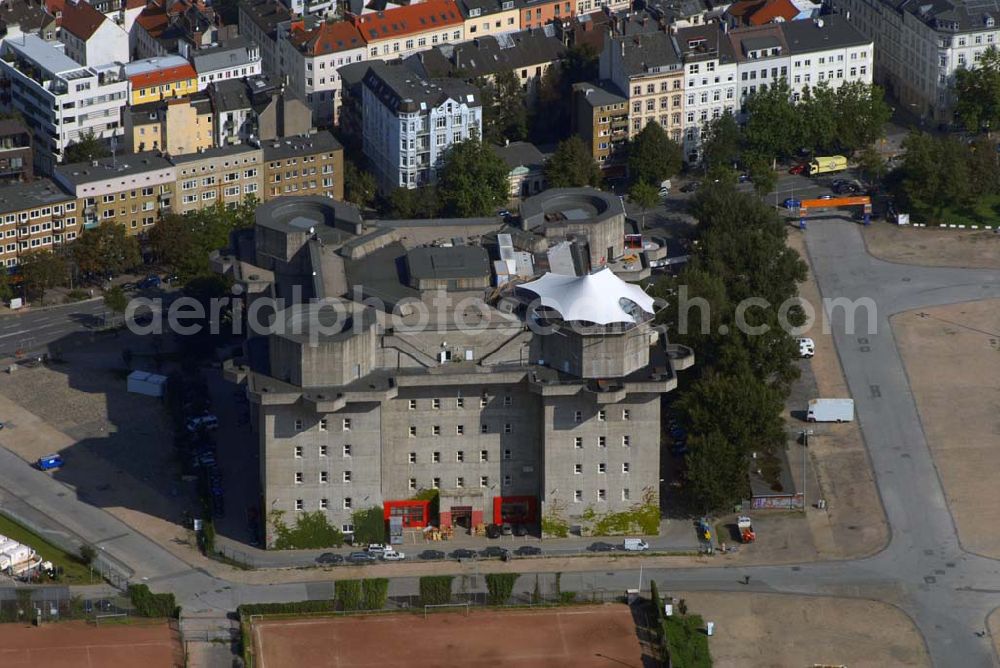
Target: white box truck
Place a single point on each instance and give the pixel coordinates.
(830, 410)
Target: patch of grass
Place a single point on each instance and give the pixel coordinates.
(687, 642)
(985, 211)
(74, 571)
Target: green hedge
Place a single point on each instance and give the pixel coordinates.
(435, 589)
(500, 586)
(312, 531)
(349, 594)
(686, 643)
(295, 607)
(148, 604)
(375, 592)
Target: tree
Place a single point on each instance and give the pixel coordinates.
(116, 300)
(88, 147)
(184, 242)
(655, 602)
(773, 126)
(6, 289)
(87, 554)
(472, 180)
(761, 175)
(359, 186)
(721, 142)
(505, 114)
(818, 120)
(106, 250)
(716, 472)
(861, 113)
(871, 164)
(369, 525)
(500, 586)
(419, 202)
(550, 121)
(572, 166)
(653, 156)
(41, 270)
(977, 93)
(644, 195)
(935, 174)
(984, 168)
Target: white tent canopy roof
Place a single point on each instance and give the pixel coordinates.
(600, 297)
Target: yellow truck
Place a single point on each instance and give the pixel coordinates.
(827, 164)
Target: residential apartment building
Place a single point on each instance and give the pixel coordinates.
(34, 216)
(648, 69)
(176, 26)
(233, 112)
(711, 83)
(528, 54)
(600, 119)
(400, 32)
(310, 164)
(259, 23)
(16, 154)
(90, 37)
(28, 18)
(526, 425)
(228, 175)
(134, 191)
(59, 98)
(537, 13)
(177, 126)
(159, 78)
(237, 59)
(312, 7)
(409, 123)
(490, 17)
(921, 46)
(310, 58)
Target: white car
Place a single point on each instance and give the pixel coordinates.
(807, 347)
(376, 548)
(391, 555)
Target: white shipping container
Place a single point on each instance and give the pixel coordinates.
(150, 384)
(830, 410)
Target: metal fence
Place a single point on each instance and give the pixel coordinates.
(29, 604)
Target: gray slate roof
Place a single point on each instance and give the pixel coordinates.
(490, 54)
(602, 94)
(292, 146)
(79, 173)
(520, 154)
(229, 95)
(402, 90)
(232, 54)
(837, 31)
(646, 51)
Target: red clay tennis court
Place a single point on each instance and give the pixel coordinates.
(81, 645)
(598, 635)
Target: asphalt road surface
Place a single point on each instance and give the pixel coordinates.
(924, 571)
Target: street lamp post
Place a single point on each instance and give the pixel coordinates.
(805, 433)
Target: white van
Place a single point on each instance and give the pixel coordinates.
(635, 545)
(376, 549)
(202, 422)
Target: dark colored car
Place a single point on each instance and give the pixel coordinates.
(493, 531)
(792, 203)
(528, 551)
(361, 558)
(329, 558)
(463, 553)
(151, 281)
(494, 552)
(600, 547)
(520, 530)
(431, 555)
(690, 187)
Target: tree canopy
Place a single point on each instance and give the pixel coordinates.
(106, 250)
(653, 156)
(977, 93)
(505, 114)
(473, 180)
(572, 166)
(41, 270)
(87, 147)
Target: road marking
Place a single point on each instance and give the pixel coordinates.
(20, 331)
(876, 392)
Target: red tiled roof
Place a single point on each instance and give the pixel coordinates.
(134, 4)
(153, 19)
(326, 38)
(160, 77)
(430, 15)
(55, 8)
(81, 19)
(761, 12)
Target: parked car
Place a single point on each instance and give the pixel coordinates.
(528, 551)
(376, 548)
(463, 553)
(506, 529)
(743, 178)
(826, 196)
(601, 547)
(202, 422)
(151, 281)
(431, 555)
(797, 169)
(361, 558)
(792, 203)
(494, 552)
(807, 347)
(635, 545)
(390, 554)
(690, 187)
(329, 558)
(493, 531)
(520, 530)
